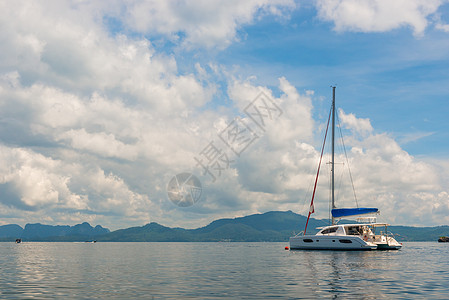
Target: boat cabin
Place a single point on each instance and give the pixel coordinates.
(357, 229)
(364, 231)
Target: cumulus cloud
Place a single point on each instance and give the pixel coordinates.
(36, 181)
(440, 25)
(204, 23)
(356, 125)
(95, 123)
(387, 177)
(85, 58)
(84, 102)
(279, 174)
(378, 15)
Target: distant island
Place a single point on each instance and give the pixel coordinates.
(274, 226)
(50, 233)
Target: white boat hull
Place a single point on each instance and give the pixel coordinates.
(329, 242)
(389, 244)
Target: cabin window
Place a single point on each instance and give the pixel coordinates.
(345, 241)
(308, 240)
(353, 230)
(329, 230)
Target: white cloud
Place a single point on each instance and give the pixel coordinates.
(36, 180)
(296, 119)
(82, 58)
(204, 23)
(387, 177)
(95, 124)
(99, 143)
(443, 27)
(39, 186)
(378, 15)
(356, 125)
(413, 137)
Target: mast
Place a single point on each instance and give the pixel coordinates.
(333, 151)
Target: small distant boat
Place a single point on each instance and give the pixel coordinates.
(443, 239)
(92, 242)
(18, 241)
(359, 236)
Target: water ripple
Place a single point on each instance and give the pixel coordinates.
(219, 271)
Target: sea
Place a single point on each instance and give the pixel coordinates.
(226, 270)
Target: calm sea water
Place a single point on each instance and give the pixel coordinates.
(219, 270)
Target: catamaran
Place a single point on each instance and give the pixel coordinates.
(357, 236)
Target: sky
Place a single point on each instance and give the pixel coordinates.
(104, 103)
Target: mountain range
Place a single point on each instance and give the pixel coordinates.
(274, 226)
(40, 232)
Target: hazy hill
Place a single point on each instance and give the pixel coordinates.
(11, 230)
(419, 234)
(40, 232)
(266, 227)
(270, 226)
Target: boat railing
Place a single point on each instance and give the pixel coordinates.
(391, 234)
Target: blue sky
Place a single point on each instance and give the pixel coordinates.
(396, 79)
(102, 104)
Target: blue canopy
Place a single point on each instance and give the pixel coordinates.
(347, 212)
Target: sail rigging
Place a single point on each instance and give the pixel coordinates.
(312, 208)
(346, 236)
(336, 213)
